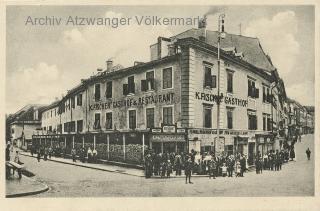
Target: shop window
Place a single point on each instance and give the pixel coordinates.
(230, 118)
(167, 115)
(167, 78)
(252, 120)
(132, 119)
(109, 120)
(109, 89)
(150, 117)
(97, 93)
(210, 81)
(252, 90)
(97, 121)
(230, 82)
(207, 116)
(79, 99)
(79, 125)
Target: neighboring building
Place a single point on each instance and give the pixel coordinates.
(23, 124)
(309, 126)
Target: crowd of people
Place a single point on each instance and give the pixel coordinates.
(206, 163)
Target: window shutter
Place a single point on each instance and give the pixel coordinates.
(144, 85)
(152, 83)
(213, 81)
(125, 89)
(257, 93)
(249, 88)
(133, 88)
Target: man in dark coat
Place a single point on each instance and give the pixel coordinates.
(308, 152)
(188, 169)
(243, 165)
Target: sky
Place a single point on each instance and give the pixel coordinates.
(44, 61)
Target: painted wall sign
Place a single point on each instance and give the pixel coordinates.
(167, 98)
(156, 130)
(214, 131)
(235, 101)
(167, 138)
(227, 100)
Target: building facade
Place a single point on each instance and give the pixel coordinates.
(170, 103)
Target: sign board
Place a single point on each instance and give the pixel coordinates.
(167, 138)
(181, 130)
(156, 130)
(219, 145)
(169, 129)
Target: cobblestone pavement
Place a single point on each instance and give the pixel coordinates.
(295, 179)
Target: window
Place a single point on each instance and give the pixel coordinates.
(97, 95)
(148, 84)
(209, 79)
(72, 126)
(131, 85)
(51, 113)
(132, 119)
(50, 128)
(167, 116)
(96, 121)
(207, 117)
(79, 125)
(150, 117)
(59, 128)
(12, 131)
(55, 112)
(230, 118)
(109, 120)
(252, 120)
(267, 97)
(269, 123)
(252, 90)
(230, 82)
(66, 127)
(79, 99)
(109, 89)
(264, 122)
(167, 78)
(73, 102)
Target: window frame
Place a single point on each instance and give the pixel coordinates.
(230, 72)
(95, 99)
(229, 109)
(207, 107)
(106, 93)
(128, 121)
(146, 117)
(172, 78)
(168, 106)
(95, 121)
(109, 112)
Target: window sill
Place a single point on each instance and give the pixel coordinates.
(130, 94)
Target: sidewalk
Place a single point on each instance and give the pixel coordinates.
(97, 166)
(25, 186)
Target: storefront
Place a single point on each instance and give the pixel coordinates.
(168, 139)
(265, 143)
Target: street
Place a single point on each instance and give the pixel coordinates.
(295, 179)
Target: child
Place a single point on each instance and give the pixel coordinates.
(238, 169)
(224, 170)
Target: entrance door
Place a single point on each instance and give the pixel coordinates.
(169, 147)
(251, 153)
(156, 146)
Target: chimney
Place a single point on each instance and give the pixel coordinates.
(202, 24)
(109, 64)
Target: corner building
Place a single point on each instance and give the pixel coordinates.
(169, 103)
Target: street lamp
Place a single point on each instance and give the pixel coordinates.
(221, 35)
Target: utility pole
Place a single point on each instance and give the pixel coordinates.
(221, 35)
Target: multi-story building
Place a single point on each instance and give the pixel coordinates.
(170, 102)
(309, 126)
(23, 123)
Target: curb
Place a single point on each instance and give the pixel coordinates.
(90, 167)
(44, 189)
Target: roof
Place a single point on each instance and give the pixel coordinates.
(52, 105)
(249, 46)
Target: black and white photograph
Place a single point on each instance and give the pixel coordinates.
(130, 101)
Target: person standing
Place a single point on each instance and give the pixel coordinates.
(243, 165)
(178, 164)
(308, 152)
(212, 168)
(89, 155)
(148, 165)
(188, 169)
(50, 152)
(38, 154)
(94, 155)
(73, 153)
